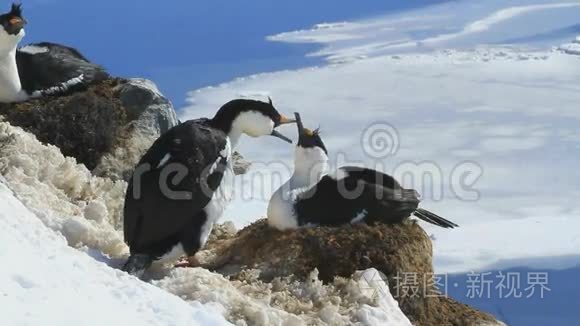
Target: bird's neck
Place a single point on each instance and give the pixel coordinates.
(228, 128)
(309, 167)
(234, 135)
(10, 87)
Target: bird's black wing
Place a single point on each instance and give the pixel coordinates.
(398, 202)
(172, 183)
(372, 177)
(355, 195)
(50, 69)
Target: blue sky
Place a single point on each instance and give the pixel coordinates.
(190, 44)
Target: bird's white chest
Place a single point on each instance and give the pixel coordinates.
(281, 214)
(221, 197)
(10, 87)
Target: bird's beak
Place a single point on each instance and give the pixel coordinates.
(302, 132)
(277, 134)
(299, 123)
(285, 120)
(17, 22)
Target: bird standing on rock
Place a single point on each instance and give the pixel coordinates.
(182, 185)
(350, 195)
(39, 69)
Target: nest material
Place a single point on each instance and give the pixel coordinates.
(395, 250)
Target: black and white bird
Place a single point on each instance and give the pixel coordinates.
(40, 69)
(350, 195)
(182, 185)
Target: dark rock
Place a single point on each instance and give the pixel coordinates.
(85, 125)
(149, 115)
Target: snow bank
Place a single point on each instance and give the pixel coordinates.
(45, 282)
(85, 209)
(364, 299)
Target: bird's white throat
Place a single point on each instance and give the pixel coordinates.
(251, 123)
(10, 87)
(310, 165)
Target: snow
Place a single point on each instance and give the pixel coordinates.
(365, 298)
(46, 282)
(540, 241)
(33, 49)
(373, 281)
(63, 194)
(488, 133)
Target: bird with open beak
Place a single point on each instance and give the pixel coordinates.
(349, 195)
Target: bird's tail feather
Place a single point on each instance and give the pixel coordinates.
(137, 264)
(432, 218)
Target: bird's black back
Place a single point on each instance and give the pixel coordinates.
(362, 191)
(153, 221)
(54, 68)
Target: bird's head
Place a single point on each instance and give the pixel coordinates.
(251, 117)
(310, 150)
(12, 26)
(308, 139)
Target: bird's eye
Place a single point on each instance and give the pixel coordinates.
(15, 20)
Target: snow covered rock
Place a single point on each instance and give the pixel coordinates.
(389, 250)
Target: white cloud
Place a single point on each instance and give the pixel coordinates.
(455, 24)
